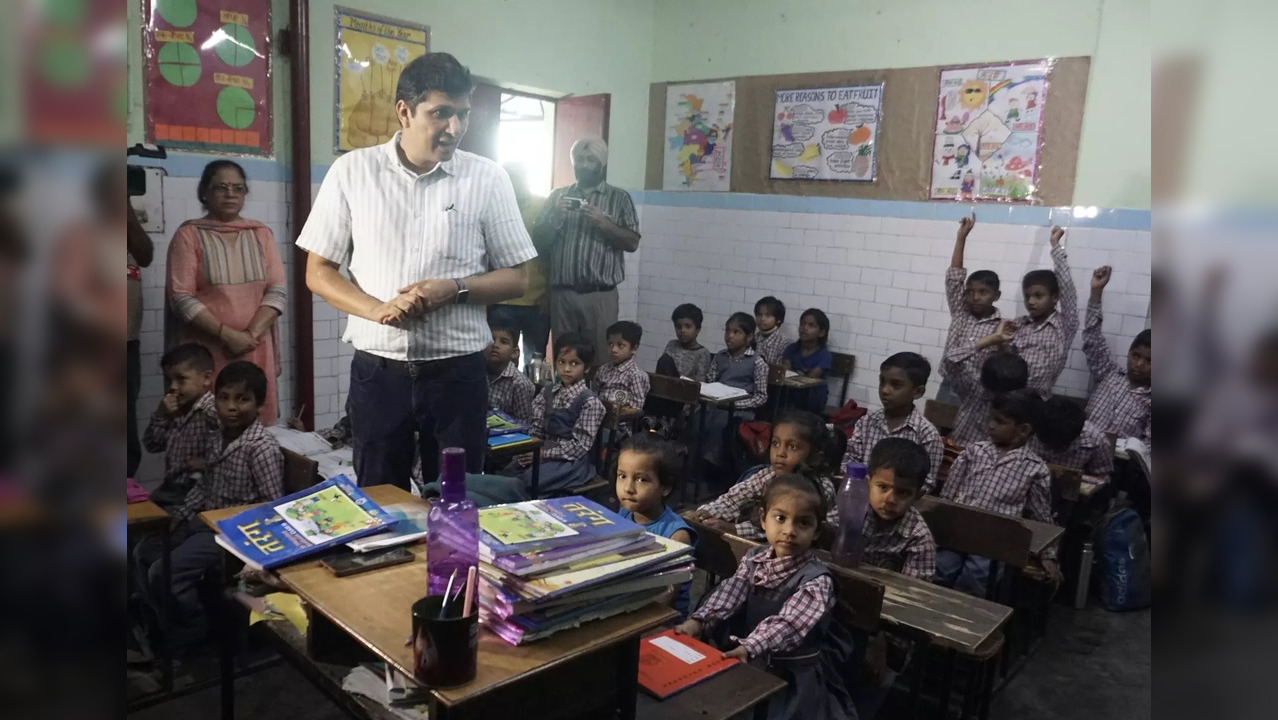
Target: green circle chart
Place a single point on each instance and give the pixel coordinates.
(178, 13)
(236, 108)
(236, 47)
(179, 63)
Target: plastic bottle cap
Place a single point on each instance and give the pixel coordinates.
(858, 470)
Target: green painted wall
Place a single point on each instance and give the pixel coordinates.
(719, 38)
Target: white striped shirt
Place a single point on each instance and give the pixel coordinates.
(394, 228)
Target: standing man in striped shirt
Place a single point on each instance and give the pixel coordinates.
(583, 232)
(431, 235)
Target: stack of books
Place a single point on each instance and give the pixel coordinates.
(550, 565)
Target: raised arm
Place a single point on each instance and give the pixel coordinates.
(955, 274)
(1095, 347)
(1068, 307)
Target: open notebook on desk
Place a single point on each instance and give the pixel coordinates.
(719, 391)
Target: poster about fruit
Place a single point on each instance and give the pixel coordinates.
(826, 133)
(989, 123)
(699, 136)
(371, 53)
(208, 75)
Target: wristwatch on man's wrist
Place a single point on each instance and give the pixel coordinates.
(463, 292)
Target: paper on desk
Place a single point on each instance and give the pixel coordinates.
(719, 391)
(336, 462)
(791, 374)
(281, 606)
(302, 443)
(678, 649)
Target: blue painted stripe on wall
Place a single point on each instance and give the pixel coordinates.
(180, 164)
(1110, 218)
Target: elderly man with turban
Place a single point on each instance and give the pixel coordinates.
(581, 235)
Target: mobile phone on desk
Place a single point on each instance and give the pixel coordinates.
(355, 563)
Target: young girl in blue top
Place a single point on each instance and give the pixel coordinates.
(809, 356)
(647, 468)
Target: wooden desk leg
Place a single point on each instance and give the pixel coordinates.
(166, 611)
(916, 683)
(225, 619)
(987, 691)
(535, 487)
(628, 678)
(698, 462)
(947, 685)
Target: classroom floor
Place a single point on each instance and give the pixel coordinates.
(1106, 653)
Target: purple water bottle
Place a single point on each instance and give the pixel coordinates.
(853, 502)
(452, 527)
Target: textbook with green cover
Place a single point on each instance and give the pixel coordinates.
(554, 522)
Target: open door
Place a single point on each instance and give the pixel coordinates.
(576, 118)
(485, 118)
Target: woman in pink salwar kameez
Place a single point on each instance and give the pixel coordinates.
(226, 286)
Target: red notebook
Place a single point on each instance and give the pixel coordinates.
(670, 663)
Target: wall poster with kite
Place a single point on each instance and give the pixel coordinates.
(989, 126)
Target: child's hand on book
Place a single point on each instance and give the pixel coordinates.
(690, 627)
(739, 652)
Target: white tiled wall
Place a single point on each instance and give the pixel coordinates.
(268, 203)
(880, 280)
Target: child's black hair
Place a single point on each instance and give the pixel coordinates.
(243, 372)
(629, 331)
(906, 459)
(775, 307)
(192, 355)
(687, 311)
(497, 323)
(811, 429)
(579, 342)
(1046, 278)
(1004, 372)
(1144, 338)
(802, 485)
(822, 322)
(745, 321)
(667, 456)
(1061, 422)
(915, 366)
(1021, 406)
(984, 277)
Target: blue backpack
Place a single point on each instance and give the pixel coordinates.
(1125, 573)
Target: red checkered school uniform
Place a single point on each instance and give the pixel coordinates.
(1117, 405)
(1045, 345)
(1016, 483)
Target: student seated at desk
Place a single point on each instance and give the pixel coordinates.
(770, 339)
(1002, 372)
(1002, 475)
(902, 382)
(509, 390)
(896, 538)
(244, 466)
(1065, 437)
(567, 416)
(620, 381)
(739, 366)
(800, 444)
(684, 356)
(809, 356)
(777, 608)
(1121, 401)
(183, 423)
(647, 472)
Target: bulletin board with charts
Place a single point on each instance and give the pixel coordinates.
(371, 52)
(989, 122)
(826, 133)
(208, 75)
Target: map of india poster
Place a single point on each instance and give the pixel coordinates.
(208, 75)
(371, 53)
(698, 153)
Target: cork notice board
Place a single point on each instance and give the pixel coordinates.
(906, 134)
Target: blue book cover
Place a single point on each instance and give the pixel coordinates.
(499, 423)
(496, 441)
(304, 523)
(549, 523)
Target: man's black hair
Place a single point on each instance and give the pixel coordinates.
(432, 71)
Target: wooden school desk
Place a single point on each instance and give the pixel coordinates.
(501, 455)
(731, 693)
(1042, 535)
(597, 663)
(147, 517)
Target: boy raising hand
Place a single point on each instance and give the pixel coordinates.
(1043, 336)
(1120, 402)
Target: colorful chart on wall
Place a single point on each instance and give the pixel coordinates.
(826, 133)
(208, 75)
(989, 124)
(371, 53)
(699, 136)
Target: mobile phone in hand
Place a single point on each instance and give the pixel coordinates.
(575, 203)
(355, 563)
